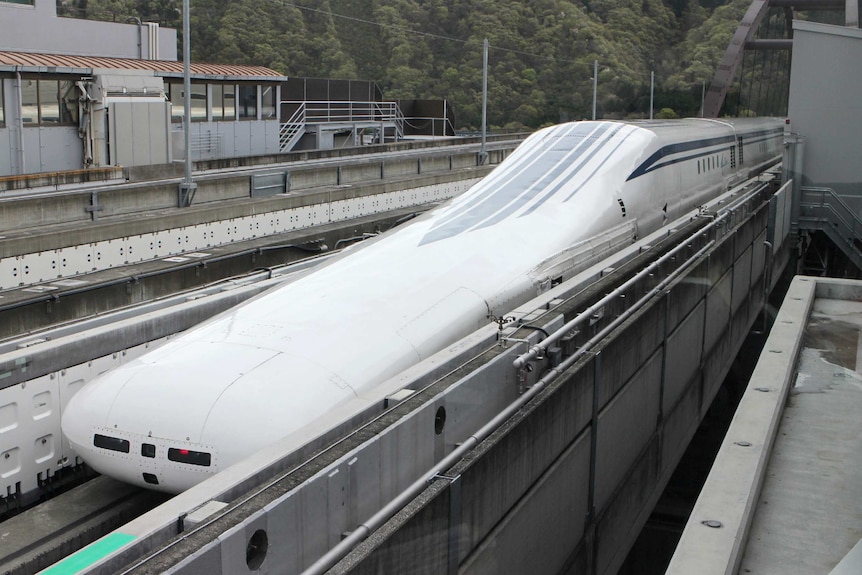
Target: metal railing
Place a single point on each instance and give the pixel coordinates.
(292, 130)
(823, 209)
(206, 142)
(368, 114)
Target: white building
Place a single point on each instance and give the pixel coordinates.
(77, 94)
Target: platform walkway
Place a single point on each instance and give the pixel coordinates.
(785, 493)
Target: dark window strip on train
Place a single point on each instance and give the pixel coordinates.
(111, 443)
(191, 457)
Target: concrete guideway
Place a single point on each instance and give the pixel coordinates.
(783, 494)
(613, 425)
(60, 235)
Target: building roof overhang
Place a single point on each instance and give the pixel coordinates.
(28, 62)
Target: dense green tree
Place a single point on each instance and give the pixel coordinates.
(540, 62)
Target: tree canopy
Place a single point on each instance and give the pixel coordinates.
(540, 62)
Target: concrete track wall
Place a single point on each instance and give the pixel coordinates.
(567, 484)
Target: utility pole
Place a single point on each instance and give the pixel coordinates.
(187, 187)
(702, 96)
(651, 92)
(483, 155)
(595, 85)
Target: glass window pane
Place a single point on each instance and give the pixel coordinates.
(248, 102)
(230, 102)
(68, 103)
(267, 103)
(29, 102)
(49, 102)
(217, 97)
(199, 102)
(175, 93)
(2, 110)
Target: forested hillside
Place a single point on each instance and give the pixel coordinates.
(541, 57)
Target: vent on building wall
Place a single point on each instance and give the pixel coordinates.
(152, 40)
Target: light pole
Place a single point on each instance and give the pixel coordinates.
(595, 85)
(651, 92)
(187, 187)
(483, 155)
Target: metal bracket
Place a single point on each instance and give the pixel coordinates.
(501, 321)
(95, 207)
(187, 194)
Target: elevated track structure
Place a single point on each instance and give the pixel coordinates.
(438, 476)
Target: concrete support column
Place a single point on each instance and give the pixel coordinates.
(14, 117)
(851, 13)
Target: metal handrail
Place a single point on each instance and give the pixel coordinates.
(828, 201)
(291, 130)
(338, 112)
(326, 111)
(834, 217)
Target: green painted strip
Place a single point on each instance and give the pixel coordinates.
(90, 554)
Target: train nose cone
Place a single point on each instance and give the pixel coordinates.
(88, 408)
(126, 423)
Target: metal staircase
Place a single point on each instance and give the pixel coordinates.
(383, 117)
(822, 209)
(292, 130)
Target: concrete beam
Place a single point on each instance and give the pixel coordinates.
(714, 538)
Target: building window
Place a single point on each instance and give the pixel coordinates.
(224, 102)
(175, 97)
(68, 102)
(198, 101)
(174, 92)
(248, 102)
(49, 102)
(30, 102)
(267, 103)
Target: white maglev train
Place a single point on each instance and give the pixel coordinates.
(287, 359)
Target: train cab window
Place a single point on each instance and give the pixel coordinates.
(111, 443)
(148, 450)
(191, 457)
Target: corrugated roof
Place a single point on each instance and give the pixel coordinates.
(170, 67)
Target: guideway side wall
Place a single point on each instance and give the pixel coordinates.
(568, 483)
(109, 230)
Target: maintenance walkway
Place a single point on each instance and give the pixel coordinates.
(784, 494)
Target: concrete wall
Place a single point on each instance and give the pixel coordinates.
(825, 105)
(38, 29)
(46, 149)
(529, 499)
(6, 151)
(219, 140)
(8, 131)
(52, 149)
